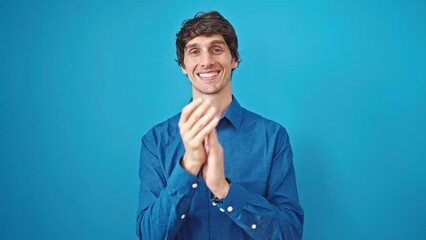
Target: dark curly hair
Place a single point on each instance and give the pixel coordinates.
(207, 24)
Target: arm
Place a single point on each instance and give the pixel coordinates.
(277, 215)
(163, 203)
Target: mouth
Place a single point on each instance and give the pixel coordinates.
(208, 76)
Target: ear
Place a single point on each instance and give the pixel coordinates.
(234, 63)
(184, 71)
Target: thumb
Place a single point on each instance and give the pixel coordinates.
(206, 143)
(212, 138)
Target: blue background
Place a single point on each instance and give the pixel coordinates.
(81, 82)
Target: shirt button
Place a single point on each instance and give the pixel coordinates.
(230, 208)
(222, 210)
(194, 185)
(182, 216)
(253, 226)
(214, 204)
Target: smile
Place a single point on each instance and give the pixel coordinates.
(208, 74)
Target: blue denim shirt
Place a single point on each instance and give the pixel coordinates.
(262, 202)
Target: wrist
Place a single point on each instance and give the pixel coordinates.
(223, 190)
(190, 166)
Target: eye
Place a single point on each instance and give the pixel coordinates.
(216, 50)
(194, 52)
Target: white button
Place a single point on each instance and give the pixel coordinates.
(230, 208)
(222, 210)
(182, 216)
(214, 204)
(253, 226)
(194, 185)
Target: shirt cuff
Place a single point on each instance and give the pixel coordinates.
(234, 205)
(181, 182)
(235, 200)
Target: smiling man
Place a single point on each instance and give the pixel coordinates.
(216, 170)
(208, 64)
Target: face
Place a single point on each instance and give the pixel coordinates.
(208, 65)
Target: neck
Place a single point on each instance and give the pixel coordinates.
(221, 103)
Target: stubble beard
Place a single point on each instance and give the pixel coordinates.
(207, 91)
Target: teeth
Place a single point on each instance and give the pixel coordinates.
(208, 75)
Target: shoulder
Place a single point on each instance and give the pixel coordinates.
(271, 133)
(257, 121)
(163, 129)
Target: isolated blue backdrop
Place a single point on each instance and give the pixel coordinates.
(82, 81)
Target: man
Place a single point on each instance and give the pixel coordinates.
(216, 170)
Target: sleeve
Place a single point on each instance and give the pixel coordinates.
(279, 214)
(163, 203)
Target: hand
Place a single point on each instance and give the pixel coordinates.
(213, 169)
(196, 122)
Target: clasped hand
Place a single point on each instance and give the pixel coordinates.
(203, 151)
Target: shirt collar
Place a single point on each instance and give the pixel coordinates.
(234, 113)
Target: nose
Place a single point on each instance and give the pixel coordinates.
(207, 60)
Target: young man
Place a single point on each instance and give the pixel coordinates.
(216, 170)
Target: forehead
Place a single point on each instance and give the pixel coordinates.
(204, 40)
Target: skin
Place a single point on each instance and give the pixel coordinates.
(208, 63)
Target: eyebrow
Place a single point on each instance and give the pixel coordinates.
(214, 42)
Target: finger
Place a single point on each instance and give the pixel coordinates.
(198, 113)
(215, 147)
(186, 127)
(212, 138)
(188, 109)
(206, 130)
(199, 139)
(203, 121)
(206, 144)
